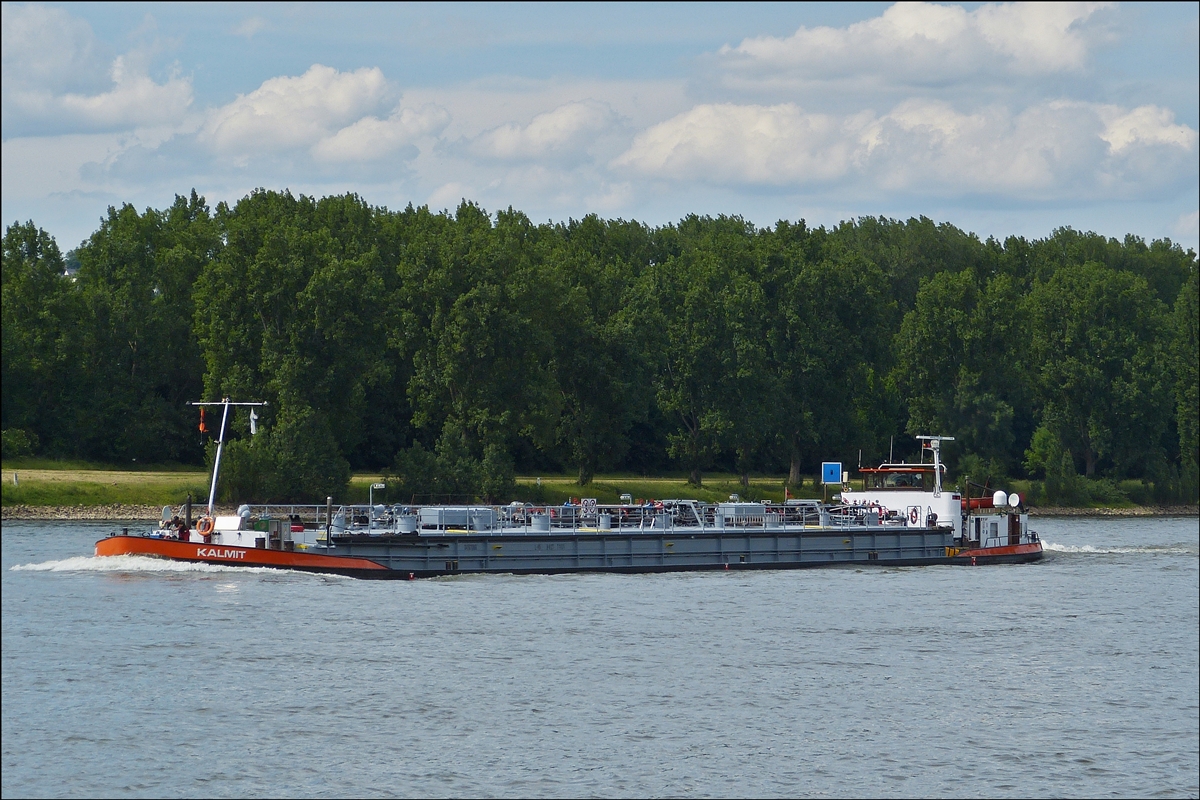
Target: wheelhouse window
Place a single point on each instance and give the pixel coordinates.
(896, 480)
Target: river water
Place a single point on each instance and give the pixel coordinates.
(1074, 677)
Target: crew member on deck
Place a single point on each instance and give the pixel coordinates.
(180, 528)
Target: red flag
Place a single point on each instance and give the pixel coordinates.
(203, 427)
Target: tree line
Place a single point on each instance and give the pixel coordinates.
(454, 350)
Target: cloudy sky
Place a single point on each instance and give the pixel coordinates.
(999, 118)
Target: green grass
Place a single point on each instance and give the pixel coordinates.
(72, 486)
(69, 483)
(34, 463)
(94, 494)
(58, 483)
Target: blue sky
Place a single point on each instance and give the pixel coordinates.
(999, 118)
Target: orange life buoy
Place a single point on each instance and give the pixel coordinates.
(913, 515)
(205, 526)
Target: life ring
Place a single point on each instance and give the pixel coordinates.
(913, 515)
(205, 526)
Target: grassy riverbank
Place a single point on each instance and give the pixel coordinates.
(74, 488)
(95, 486)
(43, 483)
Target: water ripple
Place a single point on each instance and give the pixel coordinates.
(1076, 677)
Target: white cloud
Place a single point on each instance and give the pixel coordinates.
(478, 107)
(135, 100)
(1188, 225)
(1050, 150)
(928, 146)
(610, 197)
(54, 79)
(1143, 125)
(1038, 37)
(40, 165)
(289, 112)
(449, 195)
(249, 26)
(929, 43)
(743, 144)
(46, 48)
(371, 138)
(999, 109)
(565, 132)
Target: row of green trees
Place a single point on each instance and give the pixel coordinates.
(454, 350)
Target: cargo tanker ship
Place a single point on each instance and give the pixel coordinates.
(902, 516)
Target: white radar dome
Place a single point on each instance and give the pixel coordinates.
(999, 499)
(1014, 500)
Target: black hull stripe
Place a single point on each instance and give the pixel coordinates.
(396, 574)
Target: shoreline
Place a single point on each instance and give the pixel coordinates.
(114, 512)
(150, 513)
(1133, 511)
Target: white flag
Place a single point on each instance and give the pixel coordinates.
(253, 422)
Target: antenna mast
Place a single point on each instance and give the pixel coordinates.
(212, 491)
(935, 444)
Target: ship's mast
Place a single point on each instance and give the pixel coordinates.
(935, 444)
(212, 491)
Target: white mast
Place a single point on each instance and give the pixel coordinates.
(212, 492)
(935, 444)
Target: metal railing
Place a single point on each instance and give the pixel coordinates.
(527, 518)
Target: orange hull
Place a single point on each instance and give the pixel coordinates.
(1008, 552)
(239, 556)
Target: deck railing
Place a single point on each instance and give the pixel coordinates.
(532, 519)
